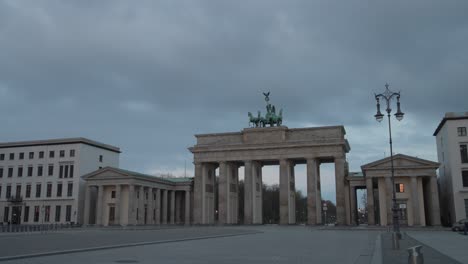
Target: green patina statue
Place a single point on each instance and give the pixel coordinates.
(271, 118)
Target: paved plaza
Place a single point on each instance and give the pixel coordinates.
(252, 244)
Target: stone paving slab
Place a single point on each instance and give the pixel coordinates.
(391, 256)
(37, 243)
(452, 244)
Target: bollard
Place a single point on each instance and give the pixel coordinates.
(415, 255)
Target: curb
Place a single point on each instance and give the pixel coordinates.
(52, 253)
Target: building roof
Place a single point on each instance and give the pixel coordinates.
(60, 141)
(355, 174)
(450, 116)
(140, 175)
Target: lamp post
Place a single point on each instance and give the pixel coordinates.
(387, 96)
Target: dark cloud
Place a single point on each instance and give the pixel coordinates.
(146, 76)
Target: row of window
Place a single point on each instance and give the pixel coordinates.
(65, 171)
(16, 216)
(41, 154)
(28, 193)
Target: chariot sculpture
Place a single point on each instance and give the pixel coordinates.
(271, 118)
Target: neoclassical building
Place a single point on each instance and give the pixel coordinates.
(417, 194)
(120, 197)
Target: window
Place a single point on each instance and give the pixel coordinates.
(10, 172)
(2, 156)
(100, 158)
(61, 171)
(68, 213)
(6, 213)
(465, 178)
(12, 156)
(1, 172)
(20, 171)
(464, 153)
(26, 214)
(18, 190)
(57, 213)
(461, 131)
(39, 170)
(36, 213)
(47, 213)
(38, 190)
(41, 154)
(0, 191)
(51, 170)
(66, 171)
(59, 190)
(70, 189)
(28, 191)
(31, 155)
(21, 155)
(62, 153)
(30, 171)
(51, 154)
(71, 171)
(8, 191)
(400, 187)
(49, 190)
(113, 194)
(72, 153)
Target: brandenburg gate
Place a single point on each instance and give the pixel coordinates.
(258, 146)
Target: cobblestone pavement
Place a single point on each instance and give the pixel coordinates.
(273, 244)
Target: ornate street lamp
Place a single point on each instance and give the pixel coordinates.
(387, 97)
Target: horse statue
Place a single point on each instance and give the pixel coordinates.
(255, 121)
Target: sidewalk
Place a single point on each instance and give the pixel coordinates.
(452, 244)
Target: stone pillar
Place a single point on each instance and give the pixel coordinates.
(370, 202)
(164, 207)
(99, 209)
(150, 215)
(388, 199)
(172, 207)
(198, 197)
(158, 207)
(117, 204)
(318, 203)
(415, 201)
(353, 203)
(234, 193)
(435, 208)
(311, 191)
(223, 193)
(287, 193)
(131, 204)
(340, 191)
(248, 193)
(87, 206)
(141, 205)
(257, 210)
(187, 208)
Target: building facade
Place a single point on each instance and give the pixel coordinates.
(40, 181)
(452, 152)
(121, 197)
(415, 186)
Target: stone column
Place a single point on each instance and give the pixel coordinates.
(234, 193)
(223, 193)
(131, 205)
(415, 201)
(248, 193)
(388, 199)
(312, 191)
(435, 208)
(340, 191)
(150, 216)
(187, 208)
(353, 203)
(99, 208)
(287, 193)
(198, 194)
(164, 207)
(158, 207)
(87, 207)
(172, 207)
(370, 202)
(141, 205)
(117, 204)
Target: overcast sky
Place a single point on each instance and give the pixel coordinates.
(148, 75)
